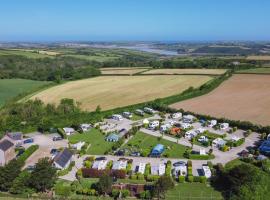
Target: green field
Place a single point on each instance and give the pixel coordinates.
(94, 137)
(10, 88)
(263, 70)
(98, 58)
(144, 142)
(26, 53)
(198, 191)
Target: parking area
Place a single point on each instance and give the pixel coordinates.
(46, 144)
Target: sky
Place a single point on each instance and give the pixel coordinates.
(134, 20)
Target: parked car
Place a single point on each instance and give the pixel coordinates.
(135, 154)
(20, 152)
(179, 163)
(29, 140)
(101, 158)
(57, 138)
(54, 151)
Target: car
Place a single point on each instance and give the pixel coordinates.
(101, 158)
(135, 154)
(57, 138)
(20, 152)
(179, 163)
(54, 151)
(29, 140)
(120, 153)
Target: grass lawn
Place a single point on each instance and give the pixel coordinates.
(144, 142)
(139, 117)
(198, 191)
(263, 70)
(94, 137)
(233, 163)
(10, 88)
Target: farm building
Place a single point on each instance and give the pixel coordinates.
(68, 130)
(85, 127)
(7, 152)
(118, 165)
(63, 159)
(219, 142)
(100, 164)
(112, 138)
(157, 150)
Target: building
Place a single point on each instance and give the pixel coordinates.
(141, 168)
(127, 115)
(63, 159)
(148, 110)
(200, 130)
(157, 150)
(176, 115)
(218, 142)
(117, 117)
(164, 127)
(68, 131)
(206, 171)
(139, 112)
(7, 152)
(100, 164)
(15, 137)
(175, 131)
(190, 134)
(120, 164)
(85, 127)
(112, 138)
(78, 146)
(212, 123)
(185, 125)
(224, 126)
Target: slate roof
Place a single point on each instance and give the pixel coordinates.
(63, 157)
(15, 135)
(5, 145)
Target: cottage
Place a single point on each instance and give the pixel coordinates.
(85, 127)
(153, 124)
(212, 123)
(157, 150)
(141, 168)
(112, 138)
(7, 152)
(120, 164)
(218, 142)
(206, 171)
(68, 131)
(117, 117)
(224, 126)
(188, 118)
(127, 115)
(148, 110)
(203, 138)
(78, 146)
(63, 159)
(100, 164)
(139, 112)
(180, 170)
(176, 115)
(158, 169)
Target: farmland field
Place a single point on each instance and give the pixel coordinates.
(263, 70)
(258, 58)
(101, 58)
(26, 53)
(145, 142)
(187, 71)
(122, 71)
(10, 88)
(118, 91)
(243, 97)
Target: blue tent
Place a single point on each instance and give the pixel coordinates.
(265, 147)
(157, 150)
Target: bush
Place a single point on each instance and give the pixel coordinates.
(67, 170)
(125, 193)
(28, 152)
(152, 177)
(145, 195)
(61, 132)
(203, 179)
(190, 178)
(133, 177)
(181, 179)
(189, 172)
(140, 177)
(224, 148)
(196, 178)
(147, 169)
(189, 163)
(115, 193)
(87, 164)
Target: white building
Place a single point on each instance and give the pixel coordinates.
(141, 168)
(68, 131)
(100, 164)
(165, 127)
(190, 134)
(218, 142)
(117, 117)
(121, 164)
(158, 169)
(176, 115)
(200, 130)
(203, 139)
(85, 127)
(78, 146)
(139, 112)
(224, 126)
(148, 110)
(153, 124)
(206, 171)
(212, 123)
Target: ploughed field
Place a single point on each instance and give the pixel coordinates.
(243, 97)
(118, 91)
(187, 71)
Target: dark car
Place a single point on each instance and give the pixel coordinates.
(120, 153)
(135, 154)
(180, 163)
(54, 151)
(101, 158)
(29, 140)
(21, 151)
(57, 138)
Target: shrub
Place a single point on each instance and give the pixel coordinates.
(109, 165)
(152, 177)
(28, 152)
(196, 178)
(181, 179)
(140, 176)
(145, 195)
(210, 165)
(125, 193)
(203, 179)
(224, 148)
(189, 172)
(147, 169)
(87, 164)
(189, 163)
(115, 193)
(133, 177)
(190, 178)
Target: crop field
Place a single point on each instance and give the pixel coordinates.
(263, 70)
(243, 97)
(118, 91)
(258, 58)
(10, 88)
(122, 71)
(187, 71)
(145, 143)
(98, 58)
(26, 53)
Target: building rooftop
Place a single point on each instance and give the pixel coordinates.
(5, 145)
(63, 157)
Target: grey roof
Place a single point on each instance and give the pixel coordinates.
(63, 157)
(15, 135)
(5, 145)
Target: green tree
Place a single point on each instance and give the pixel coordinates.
(20, 184)
(163, 184)
(105, 184)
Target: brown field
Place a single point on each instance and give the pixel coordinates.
(186, 71)
(242, 97)
(258, 58)
(118, 91)
(121, 71)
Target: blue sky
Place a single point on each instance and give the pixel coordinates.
(119, 20)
